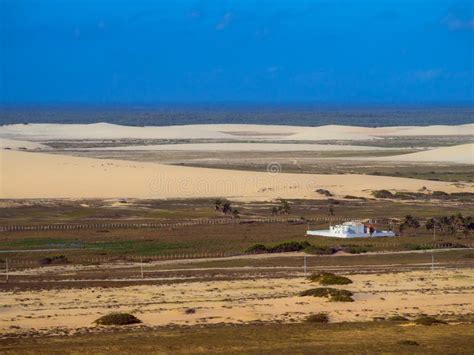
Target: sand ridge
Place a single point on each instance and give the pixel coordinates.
(223, 131)
(463, 153)
(40, 175)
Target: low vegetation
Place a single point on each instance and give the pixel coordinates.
(283, 208)
(318, 318)
(427, 320)
(226, 208)
(408, 342)
(279, 248)
(307, 248)
(327, 278)
(398, 318)
(318, 250)
(333, 294)
(350, 197)
(324, 192)
(355, 249)
(117, 319)
(54, 260)
(423, 196)
(301, 337)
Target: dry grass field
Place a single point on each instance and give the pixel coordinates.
(301, 338)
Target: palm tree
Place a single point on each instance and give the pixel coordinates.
(284, 206)
(410, 222)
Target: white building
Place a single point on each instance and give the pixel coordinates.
(351, 230)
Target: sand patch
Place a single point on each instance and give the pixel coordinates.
(463, 154)
(446, 292)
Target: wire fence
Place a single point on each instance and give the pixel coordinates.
(194, 222)
(59, 259)
(96, 260)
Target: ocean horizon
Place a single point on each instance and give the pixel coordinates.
(275, 114)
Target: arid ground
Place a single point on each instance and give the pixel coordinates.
(102, 219)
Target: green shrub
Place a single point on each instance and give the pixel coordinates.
(318, 318)
(334, 294)
(427, 320)
(327, 278)
(117, 319)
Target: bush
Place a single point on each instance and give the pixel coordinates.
(427, 320)
(408, 342)
(54, 260)
(334, 294)
(117, 319)
(439, 194)
(257, 249)
(350, 197)
(318, 318)
(327, 278)
(398, 318)
(355, 249)
(324, 192)
(279, 248)
(289, 246)
(382, 194)
(341, 298)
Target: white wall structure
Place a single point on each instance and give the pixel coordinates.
(351, 230)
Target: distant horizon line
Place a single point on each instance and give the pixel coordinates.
(236, 104)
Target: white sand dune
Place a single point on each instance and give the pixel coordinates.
(463, 154)
(240, 147)
(222, 131)
(39, 175)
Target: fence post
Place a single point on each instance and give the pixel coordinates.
(6, 269)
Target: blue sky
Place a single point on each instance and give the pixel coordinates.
(332, 51)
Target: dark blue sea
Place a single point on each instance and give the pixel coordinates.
(299, 115)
